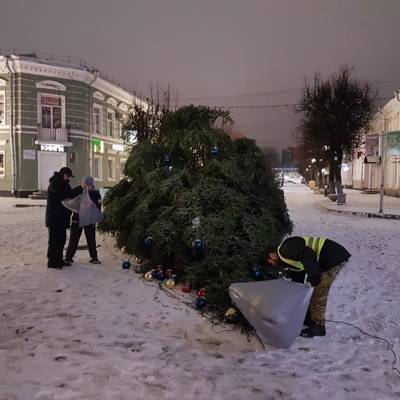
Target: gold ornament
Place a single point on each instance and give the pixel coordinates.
(170, 284)
(148, 276)
(231, 314)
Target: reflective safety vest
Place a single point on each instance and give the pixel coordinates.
(315, 243)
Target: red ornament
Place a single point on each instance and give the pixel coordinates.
(186, 288)
(169, 273)
(201, 292)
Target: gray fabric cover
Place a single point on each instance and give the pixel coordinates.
(276, 308)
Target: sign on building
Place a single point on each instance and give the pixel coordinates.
(372, 145)
(52, 147)
(393, 143)
(28, 154)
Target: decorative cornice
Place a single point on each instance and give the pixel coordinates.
(112, 101)
(70, 73)
(123, 107)
(51, 85)
(98, 95)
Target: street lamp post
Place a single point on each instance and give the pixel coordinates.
(382, 159)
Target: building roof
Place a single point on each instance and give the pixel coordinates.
(72, 63)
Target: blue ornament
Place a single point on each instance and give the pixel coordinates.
(148, 242)
(126, 265)
(256, 272)
(198, 245)
(200, 303)
(215, 151)
(159, 275)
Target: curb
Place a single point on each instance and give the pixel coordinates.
(361, 213)
(29, 205)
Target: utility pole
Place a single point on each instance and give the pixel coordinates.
(382, 159)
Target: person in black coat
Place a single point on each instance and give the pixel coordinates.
(90, 230)
(57, 216)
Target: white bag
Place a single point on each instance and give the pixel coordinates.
(276, 308)
(88, 212)
(72, 204)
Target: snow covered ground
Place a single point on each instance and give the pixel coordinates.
(98, 332)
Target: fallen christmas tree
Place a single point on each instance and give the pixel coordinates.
(197, 202)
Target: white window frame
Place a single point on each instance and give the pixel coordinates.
(3, 92)
(39, 107)
(100, 108)
(122, 161)
(110, 134)
(100, 158)
(3, 170)
(113, 169)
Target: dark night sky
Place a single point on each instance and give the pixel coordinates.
(209, 48)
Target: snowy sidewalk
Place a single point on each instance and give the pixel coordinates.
(97, 332)
(359, 203)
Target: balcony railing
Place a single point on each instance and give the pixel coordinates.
(53, 135)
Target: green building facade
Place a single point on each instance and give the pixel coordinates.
(56, 113)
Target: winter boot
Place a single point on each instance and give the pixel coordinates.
(313, 330)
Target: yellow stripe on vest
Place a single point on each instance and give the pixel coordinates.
(315, 243)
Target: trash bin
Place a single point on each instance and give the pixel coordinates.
(341, 199)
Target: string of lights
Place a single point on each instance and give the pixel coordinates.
(263, 106)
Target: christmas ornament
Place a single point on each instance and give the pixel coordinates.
(170, 284)
(200, 303)
(198, 246)
(231, 314)
(148, 242)
(148, 276)
(126, 265)
(215, 151)
(186, 288)
(256, 272)
(139, 269)
(159, 275)
(201, 292)
(196, 222)
(169, 273)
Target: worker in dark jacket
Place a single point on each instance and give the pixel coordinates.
(57, 216)
(317, 259)
(90, 230)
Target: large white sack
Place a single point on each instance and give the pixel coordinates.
(275, 308)
(88, 212)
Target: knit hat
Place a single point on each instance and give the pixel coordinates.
(89, 181)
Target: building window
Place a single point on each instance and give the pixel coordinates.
(2, 164)
(51, 112)
(97, 168)
(2, 107)
(97, 119)
(110, 122)
(111, 169)
(122, 166)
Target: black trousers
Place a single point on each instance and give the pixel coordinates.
(75, 235)
(57, 239)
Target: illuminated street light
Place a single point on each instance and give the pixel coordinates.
(313, 160)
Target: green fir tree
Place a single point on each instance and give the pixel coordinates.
(189, 168)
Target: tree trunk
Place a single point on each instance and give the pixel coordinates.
(332, 176)
(338, 173)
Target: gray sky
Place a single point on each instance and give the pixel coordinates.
(208, 48)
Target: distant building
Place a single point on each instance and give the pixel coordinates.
(290, 157)
(380, 147)
(56, 112)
